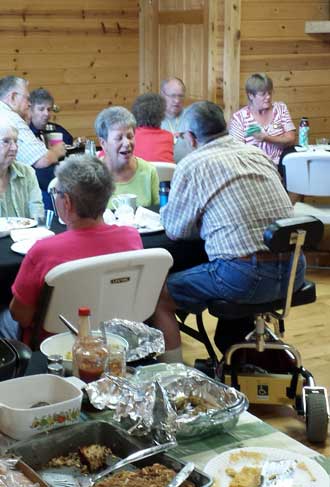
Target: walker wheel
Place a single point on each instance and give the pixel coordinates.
(316, 418)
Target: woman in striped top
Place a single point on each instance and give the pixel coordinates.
(263, 123)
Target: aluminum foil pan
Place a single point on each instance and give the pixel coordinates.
(143, 340)
(169, 398)
(143, 410)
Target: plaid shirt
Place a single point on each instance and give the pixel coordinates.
(30, 148)
(229, 193)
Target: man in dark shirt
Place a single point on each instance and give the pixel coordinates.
(41, 108)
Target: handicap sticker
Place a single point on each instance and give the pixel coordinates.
(262, 390)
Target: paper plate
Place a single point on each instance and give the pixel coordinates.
(22, 246)
(308, 472)
(11, 223)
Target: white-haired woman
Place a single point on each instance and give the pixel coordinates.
(19, 187)
(115, 128)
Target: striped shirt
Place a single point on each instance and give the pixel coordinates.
(30, 148)
(280, 123)
(228, 193)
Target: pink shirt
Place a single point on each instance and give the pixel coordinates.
(280, 123)
(70, 245)
(154, 144)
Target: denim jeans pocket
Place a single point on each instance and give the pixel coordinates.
(238, 280)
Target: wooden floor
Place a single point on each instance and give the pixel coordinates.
(308, 329)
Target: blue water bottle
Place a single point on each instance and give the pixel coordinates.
(164, 189)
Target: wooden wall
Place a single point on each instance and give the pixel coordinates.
(273, 41)
(86, 52)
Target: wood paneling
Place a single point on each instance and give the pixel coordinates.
(86, 52)
(187, 42)
(273, 40)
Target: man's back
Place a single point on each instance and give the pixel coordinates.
(231, 192)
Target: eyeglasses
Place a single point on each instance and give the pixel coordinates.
(174, 96)
(54, 191)
(7, 141)
(27, 97)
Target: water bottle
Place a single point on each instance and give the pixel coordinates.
(303, 132)
(164, 189)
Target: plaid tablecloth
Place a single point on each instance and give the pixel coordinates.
(250, 431)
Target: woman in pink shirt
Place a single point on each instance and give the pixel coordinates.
(263, 123)
(151, 142)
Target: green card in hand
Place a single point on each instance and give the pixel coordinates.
(252, 130)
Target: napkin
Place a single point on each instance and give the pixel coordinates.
(147, 218)
(30, 234)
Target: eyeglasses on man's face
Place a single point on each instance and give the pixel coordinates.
(26, 97)
(174, 96)
(54, 191)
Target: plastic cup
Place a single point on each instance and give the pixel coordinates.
(54, 138)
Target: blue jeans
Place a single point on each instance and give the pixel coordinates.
(238, 281)
(9, 328)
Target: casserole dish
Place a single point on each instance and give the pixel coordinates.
(37, 403)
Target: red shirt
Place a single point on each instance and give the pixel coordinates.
(154, 144)
(64, 247)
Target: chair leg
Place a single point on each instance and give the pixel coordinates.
(200, 334)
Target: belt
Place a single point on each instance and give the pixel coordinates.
(267, 257)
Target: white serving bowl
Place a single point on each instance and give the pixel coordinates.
(62, 344)
(19, 420)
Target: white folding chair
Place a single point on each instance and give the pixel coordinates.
(120, 285)
(165, 170)
(308, 173)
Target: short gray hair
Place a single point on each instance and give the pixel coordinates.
(112, 118)
(258, 82)
(9, 83)
(40, 95)
(205, 120)
(88, 182)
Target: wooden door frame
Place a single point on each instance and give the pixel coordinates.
(232, 56)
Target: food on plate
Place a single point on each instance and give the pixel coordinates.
(155, 475)
(94, 456)
(245, 477)
(89, 458)
(303, 466)
(252, 456)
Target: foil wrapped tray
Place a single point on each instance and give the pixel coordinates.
(39, 450)
(143, 340)
(166, 400)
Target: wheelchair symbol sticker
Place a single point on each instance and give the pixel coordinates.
(262, 390)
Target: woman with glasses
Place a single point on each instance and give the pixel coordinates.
(262, 122)
(19, 189)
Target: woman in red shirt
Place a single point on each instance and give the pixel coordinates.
(151, 142)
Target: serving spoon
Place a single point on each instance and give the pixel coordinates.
(68, 324)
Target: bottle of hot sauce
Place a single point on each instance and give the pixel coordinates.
(89, 353)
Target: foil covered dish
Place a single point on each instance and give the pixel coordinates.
(168, 400)
(143, 341)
